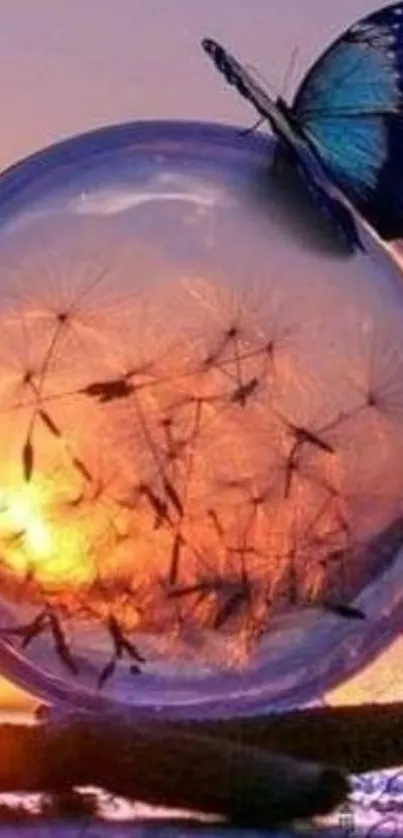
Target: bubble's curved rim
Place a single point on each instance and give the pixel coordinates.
(325, 666)
(112, 138)
(345, 660)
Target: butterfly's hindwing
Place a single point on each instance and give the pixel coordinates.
(341, 219)
(354, 150)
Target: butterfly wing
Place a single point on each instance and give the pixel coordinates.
(333, 209)
(350, 110)
(238, 76)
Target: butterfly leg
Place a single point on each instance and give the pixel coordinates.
(246, 131)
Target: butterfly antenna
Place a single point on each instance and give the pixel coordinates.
(289, 71)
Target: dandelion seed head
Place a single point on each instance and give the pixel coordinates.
(201, 445)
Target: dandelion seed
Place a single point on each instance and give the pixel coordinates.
(348, 611)
(49, 423)
(203, 587)
(121, 645)
(292, 467)
(107, 391)
(118, 638)
(106, 673)
(173, 496)
(304, 435)
(61, 645)
(82, 469)
(230, 608)
(132, 650)
(15, 538)
(29, 631)
(212, 514)
(159, 506)
(175, 559)
(230, 335)
(76, 502)
(244, 391)
(33, 630)
(28, 460)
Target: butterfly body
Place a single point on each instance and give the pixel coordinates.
(344, 128)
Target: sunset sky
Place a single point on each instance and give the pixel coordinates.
(70, 67)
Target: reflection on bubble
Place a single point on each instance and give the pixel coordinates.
(200, 424)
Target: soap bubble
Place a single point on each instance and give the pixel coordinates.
(201, 415)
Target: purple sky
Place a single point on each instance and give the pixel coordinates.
(66, 67)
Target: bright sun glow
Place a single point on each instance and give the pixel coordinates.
(35, 542)
(23, 514)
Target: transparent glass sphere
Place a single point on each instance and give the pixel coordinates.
(201, 414)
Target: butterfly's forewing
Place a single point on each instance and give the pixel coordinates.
(250, 89)
(350, 108)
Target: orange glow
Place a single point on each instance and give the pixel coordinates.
(33, 543)
(172, 485)
(186, 475)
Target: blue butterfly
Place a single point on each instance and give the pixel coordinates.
(344, 128)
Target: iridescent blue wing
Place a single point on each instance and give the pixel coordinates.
(350, 110)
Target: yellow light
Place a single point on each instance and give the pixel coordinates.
(32, 540)
(23, 514)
